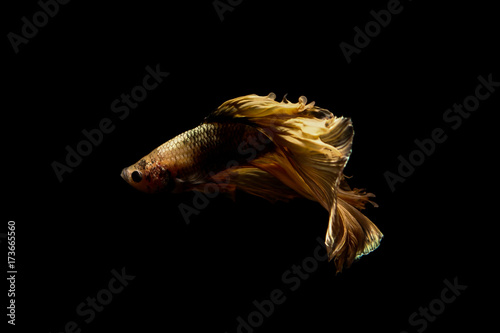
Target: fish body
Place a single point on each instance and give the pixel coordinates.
(190, 158)
(275, 150)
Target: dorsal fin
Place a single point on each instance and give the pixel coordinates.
(252, 108)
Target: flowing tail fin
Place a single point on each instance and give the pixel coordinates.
(350, 233)
(312, 149)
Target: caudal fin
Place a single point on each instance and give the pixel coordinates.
(350, 233)
(312, 149)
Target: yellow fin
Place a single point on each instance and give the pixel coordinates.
(262, 184)
(350, 235)
(312, 149)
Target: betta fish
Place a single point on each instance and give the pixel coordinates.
(275, 150)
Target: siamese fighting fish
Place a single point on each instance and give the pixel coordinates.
(275, 150)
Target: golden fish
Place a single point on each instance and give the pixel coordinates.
(275, 150)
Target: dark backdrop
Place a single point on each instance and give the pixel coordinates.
(200, 277)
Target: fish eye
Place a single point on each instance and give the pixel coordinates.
(136, 176)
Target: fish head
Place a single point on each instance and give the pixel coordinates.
(148, 176)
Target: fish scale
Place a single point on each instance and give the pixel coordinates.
(204, 149)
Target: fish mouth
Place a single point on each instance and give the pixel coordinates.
(125, 174)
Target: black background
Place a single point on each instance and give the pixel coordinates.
(200, 277)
